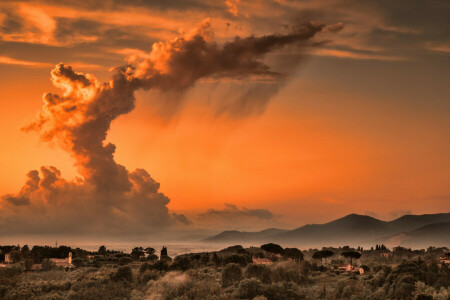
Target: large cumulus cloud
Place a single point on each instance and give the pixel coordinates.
(107, 198)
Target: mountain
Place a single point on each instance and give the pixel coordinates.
(436, 234)
(411, 222)
(233, 235)
(353, 229)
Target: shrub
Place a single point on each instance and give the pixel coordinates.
(240, 259)
(123, 273)
(260, 272)
(231, 274)
(125, 260)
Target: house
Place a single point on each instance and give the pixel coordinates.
(261, 261)
(445, 259)
(350, 268)
(36, 267)
(63, 262)
(386, 254)
(8, 259)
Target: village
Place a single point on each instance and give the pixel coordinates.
(269, 271)
(268, 254)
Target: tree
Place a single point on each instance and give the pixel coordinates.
(28, 264)
(77, 262)
(240, 259)
(317, 255)
(294, 254)
(102, 250)
(15, 255)
(149, 251)
(351, 255)
(181, 263)
(137, 253)
(272, 248)
(326, 254)
(231, 274)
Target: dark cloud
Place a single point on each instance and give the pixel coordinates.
(16, 200)
(178, 64)
(232, 212)
(182, 218)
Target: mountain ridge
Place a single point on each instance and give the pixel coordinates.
(352, 229)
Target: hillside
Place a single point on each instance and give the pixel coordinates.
(352, 229)
(234, 235)
(436, 234)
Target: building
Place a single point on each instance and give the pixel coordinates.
(8, 259)
(63, 262)
(350, 268)
(445, 259)
(386, 254)
(261, 261)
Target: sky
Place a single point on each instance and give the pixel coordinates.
(180, 119)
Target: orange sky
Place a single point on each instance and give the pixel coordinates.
(362, 125)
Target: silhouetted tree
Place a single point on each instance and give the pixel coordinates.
(351, 255)
(272, 248)
(137, 253)
(294, 254)
(102, 250)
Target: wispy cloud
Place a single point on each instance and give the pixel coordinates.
(25, 63)
(355, 55)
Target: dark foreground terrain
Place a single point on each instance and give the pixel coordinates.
(266, 272)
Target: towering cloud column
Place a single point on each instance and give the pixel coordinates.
(108, 198)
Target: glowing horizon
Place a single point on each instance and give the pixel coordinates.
(300, 120)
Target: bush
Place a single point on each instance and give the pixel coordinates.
(78, 262)
(182, 263)
(250, 288)
(240, 259)
(48, 265)
(123, 273)
(260, 272)
(125, 260)
(231, 274)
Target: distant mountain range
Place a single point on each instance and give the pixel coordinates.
(408, 230)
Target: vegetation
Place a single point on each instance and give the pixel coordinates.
(227, 274)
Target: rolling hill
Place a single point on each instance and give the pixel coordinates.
(353, 229)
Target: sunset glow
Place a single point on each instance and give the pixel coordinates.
(168, 117)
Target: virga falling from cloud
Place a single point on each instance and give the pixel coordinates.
(108, 198)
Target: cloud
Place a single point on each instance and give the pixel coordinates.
(178, 64)
(108, 199)
(438, 47)
(182, 218)
(33, 64)
(356, 55)
(231, 212)
(232, 6)
(16, 200)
